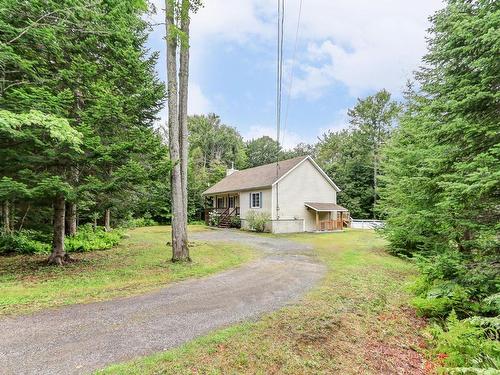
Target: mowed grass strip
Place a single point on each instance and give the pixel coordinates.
(140, 263)
(355, 322)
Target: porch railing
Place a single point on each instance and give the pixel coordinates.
(327, 225)
(224, 212)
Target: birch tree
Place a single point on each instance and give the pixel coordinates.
(177, 38)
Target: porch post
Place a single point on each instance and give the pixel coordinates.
(317, 221)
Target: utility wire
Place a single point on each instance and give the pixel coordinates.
(287, 105)
(279, 75)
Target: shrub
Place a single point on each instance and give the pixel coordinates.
(145, 221)
(197, 222)
(23, 242)
(464, 346)
(439, 298)
(257, 220)
(235, 222)
(88, 239)
(214, 218)
(451, 280)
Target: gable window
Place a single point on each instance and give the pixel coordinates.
(256, 200)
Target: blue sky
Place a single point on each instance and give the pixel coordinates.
(346, 49)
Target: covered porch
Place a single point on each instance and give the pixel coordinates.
(225, 205)
(329, 216)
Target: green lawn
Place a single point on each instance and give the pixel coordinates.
(357, 321)
(139, 264)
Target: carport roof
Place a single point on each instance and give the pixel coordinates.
(316, 206)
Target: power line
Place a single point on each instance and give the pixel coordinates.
(287, 105)
(279, 75)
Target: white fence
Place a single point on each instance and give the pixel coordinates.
(366, 224)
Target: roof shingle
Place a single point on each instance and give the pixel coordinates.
(257, 177)
(316, 206)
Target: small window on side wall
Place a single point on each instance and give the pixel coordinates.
(256, 200)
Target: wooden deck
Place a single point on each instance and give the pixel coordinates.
(336, 221)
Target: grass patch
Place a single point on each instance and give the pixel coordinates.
(140, 263)
(356, 321)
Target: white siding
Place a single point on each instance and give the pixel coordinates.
(303, 184)
(245, 203)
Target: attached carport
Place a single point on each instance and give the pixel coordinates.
(329, 216)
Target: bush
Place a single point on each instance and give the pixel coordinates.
(464, 346)
(197, 222)
(451, 280)
(88, 239)
(23, 242)
(257, 220)
(145, 221)
(235, 222)
(213, 218)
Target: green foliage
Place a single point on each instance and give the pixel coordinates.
(441, 168)
(461, 344)
(257, 220)
(77, 115)
(33, 242)
(144, 221)
(214, 218)
(263, 150)
(235, 222)
(89, 238)
(441, 173)
(22, 242)
(352, 157)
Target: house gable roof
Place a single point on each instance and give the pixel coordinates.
(257, 177)
(262, 176)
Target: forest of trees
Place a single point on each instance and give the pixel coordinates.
(76, 143)
(79, 99)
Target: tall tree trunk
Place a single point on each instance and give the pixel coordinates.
(58, 255)
(6, 216)
(183, 109)
(107, 220)
(70, 219)
(179, 231)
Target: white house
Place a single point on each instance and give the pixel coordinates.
(296, 193)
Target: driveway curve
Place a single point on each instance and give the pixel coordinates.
(82, 338)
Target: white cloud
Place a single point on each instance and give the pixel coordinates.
(198, 103)
(365, 45)
(288, 139)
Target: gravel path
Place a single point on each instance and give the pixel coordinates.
(82, 338)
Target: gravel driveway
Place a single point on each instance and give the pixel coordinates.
(82, 338)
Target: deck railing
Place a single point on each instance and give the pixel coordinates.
(328, 225)
(224, 211)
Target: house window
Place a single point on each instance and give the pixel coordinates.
(220, 202)
(231, 202)
(256, 200)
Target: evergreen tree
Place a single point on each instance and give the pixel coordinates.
(442, 167)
